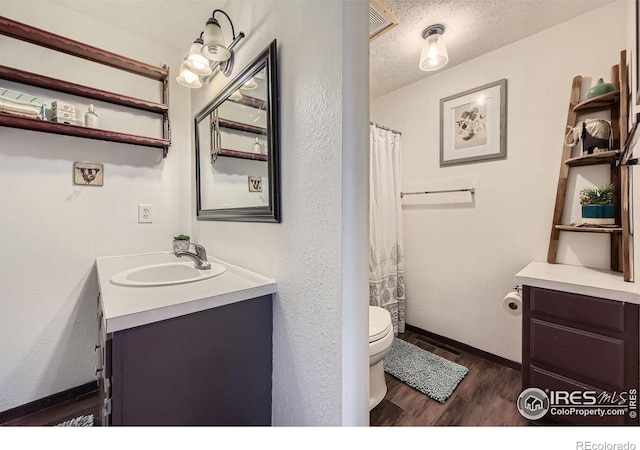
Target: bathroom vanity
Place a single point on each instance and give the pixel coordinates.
(175, 352)
(580, 333)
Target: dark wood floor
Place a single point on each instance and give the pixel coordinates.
(70, 409)
(485, 397)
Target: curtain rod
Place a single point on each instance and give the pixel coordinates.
(472, 190)
(385, 128)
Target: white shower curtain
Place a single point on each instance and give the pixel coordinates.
(386, 254)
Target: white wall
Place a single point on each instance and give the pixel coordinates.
(53, 230)
(461, 257)
(304, 253)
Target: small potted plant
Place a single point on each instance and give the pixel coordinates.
(597, 205)
(181, 243)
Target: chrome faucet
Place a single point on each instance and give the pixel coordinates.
(199, 258)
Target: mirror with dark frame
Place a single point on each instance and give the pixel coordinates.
(237, 147)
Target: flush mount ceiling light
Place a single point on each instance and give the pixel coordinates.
(434, 52)
(208, 48)
(187, 78)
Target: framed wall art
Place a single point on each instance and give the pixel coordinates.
(88, 174)
(473, 125)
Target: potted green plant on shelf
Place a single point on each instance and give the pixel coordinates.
(181, 243)
(597, 205)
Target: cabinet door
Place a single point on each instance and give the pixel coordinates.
(212, 367)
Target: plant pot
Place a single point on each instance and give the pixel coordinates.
(181, 245)
(599, 214)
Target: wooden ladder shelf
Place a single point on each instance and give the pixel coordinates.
(617, 103)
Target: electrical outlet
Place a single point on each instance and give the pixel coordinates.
(145, 213)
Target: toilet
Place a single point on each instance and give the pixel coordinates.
(380, 340)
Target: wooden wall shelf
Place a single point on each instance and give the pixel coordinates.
(251, 102)
(616, 103)
(233, 125)
(608, 157)
(241, 155)
(78, 131)
(32, 79)
(61, 44)
(600, 103)
(585, 229)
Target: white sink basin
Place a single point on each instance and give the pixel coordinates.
(165, 274)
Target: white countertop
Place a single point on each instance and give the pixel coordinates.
(131, 306)
(580, 280)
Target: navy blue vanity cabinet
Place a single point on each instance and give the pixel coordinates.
(576, 342)
(212, 367)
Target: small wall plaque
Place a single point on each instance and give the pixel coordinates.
(255, 184)
(88, 174)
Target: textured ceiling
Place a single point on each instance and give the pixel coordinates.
(472, 29)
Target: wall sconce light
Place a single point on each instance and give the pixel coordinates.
(208, 48)
(434, 53)
(187, 78)
(195, 62)
(214, 47)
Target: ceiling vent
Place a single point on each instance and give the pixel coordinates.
(381, 19)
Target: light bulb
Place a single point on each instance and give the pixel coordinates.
(433, 48)
(188, 78)
(197, 63)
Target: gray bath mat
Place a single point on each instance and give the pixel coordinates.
(82, 421)
(431, 374)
